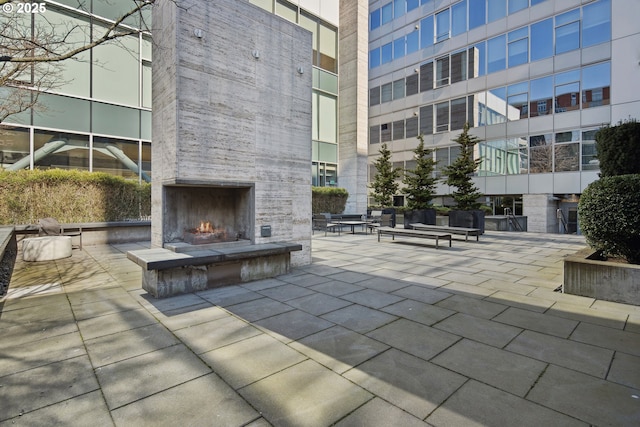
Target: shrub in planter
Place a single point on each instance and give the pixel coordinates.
(420, 187)
(618, 148)
(328, 199)
(609, 219)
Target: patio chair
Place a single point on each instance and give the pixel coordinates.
(51, 227)
(386, 220)
(323, 222)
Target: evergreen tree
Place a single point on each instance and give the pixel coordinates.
(420, 182)
(459, 172)
(384, 183)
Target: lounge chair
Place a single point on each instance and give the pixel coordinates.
(51, 227)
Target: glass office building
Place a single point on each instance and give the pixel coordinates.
(534, 79)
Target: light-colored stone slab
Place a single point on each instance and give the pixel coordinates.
(292, 325)
(407, 382)
(545, 323)
(359, 318)
(479, 329)
(113, 323)
(217, 333)
(418, 312)
(472, 306)
(318, 304)
(372, 298)
(379, 412)
(306, 394)
(626, 342)
(422, 294)
(625, 370)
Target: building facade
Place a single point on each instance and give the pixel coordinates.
(534, 79)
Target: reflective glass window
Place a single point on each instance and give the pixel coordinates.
(496, 106)
(459, 18)
(589, 155)
(426, 76)
(477, 109)
(399, 8)
(146, 158)
(534, 2)
(540, 154)
(398, 89)
(374, 58)
(477, 13)
(442, 25)
(458, 113)
(596, 81)
(426, 119)
(328, 47)
(61, 112)
(398, 130)
(110, 119)
(374, 19)
(411, 127)
(478, 60)
(518, 101)
(116, 76)
(14, 148)
(568, 31)
(64, 150)
(374, 134)
(287, 10)
(459, 66)
(146, 85)
(387, 53)
(114, 9)
(387, 13)
(442, 71)
(541, 94)
(542, 39)
(516, 5)
(442, 117)
(116, 157)
(517, 156)
(412, 4)
(145, 125)
(496, 54)
(566, 157)
(596, 23)
(567, 136)
(493, 155)
(411, 86)
(496, 9)
(426, 31)
(567, 91)
(385, 132)
(387, 92)
(374, 96)
(413, 42)
(310, 23)
(398, 48)
(518, 47)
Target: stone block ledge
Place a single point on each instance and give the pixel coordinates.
(163, 259)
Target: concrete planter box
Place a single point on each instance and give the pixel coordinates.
(422, 216)
(604, 280)
(467, 219)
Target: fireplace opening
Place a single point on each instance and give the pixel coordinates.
(207, 214)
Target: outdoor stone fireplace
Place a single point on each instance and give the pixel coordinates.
(231, 187)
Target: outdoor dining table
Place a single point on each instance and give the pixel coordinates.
(353, 224)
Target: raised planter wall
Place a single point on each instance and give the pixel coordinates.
(101, 233)
(604, 280)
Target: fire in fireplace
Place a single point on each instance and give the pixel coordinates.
(206, 232)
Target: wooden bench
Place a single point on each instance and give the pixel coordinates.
(414, 233)
(453, 230)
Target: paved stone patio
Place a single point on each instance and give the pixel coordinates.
(371, 334)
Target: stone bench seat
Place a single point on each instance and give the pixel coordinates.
(166, 272)
(453, 230)
(414, 233)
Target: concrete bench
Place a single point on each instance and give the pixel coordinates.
(414, 233)
(167, 273)
(46, 248)
(453, 230)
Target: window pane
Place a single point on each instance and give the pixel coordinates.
(442, 71)
(411, 127)
(146, 85)
(568, 31)
(596, 81)
(567, 91)
(387, 92)
(517, 156)
(328, 46)
(116, 157)
(459, 18)
(328, 82)
(411, 85)
(115, 120)
(426, 76)
(540, 154)
(518, 101)
(146, 158)
(398, 48)
(116, 76)
(567, 157)
(496, 106)
(589, 154)
(287, 10)
(478, 60)
(458, 113)
(542, 39)
(426, 31)
(374, 58)
(596, 23)
(374, 96)
(516, 5)
(387, 53)
(477, 13)
(568, 136)
(311, 23)
(61, 112)
(413, 42)
(398, 130)
(496, 54)
(14, 148)
(374, 134)
(541, 93)
(387, 13)
(442, 25)
(145, 125)
(442, 117)
(374, 20)
(399, 7)
(459, 66)
(69, 152)
(518, 52)
(412, 4)
(398, 89)
(327, 114)
(385, 132)
(496, 9)
(478, 109)
(493, 155)
(426, 119)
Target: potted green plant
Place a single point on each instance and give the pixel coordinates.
(385, 182)
(467, 212)
(420, 185)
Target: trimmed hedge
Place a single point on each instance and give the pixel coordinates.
(609, 219)
(328, 199)
(618, 148)
(70, 196)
